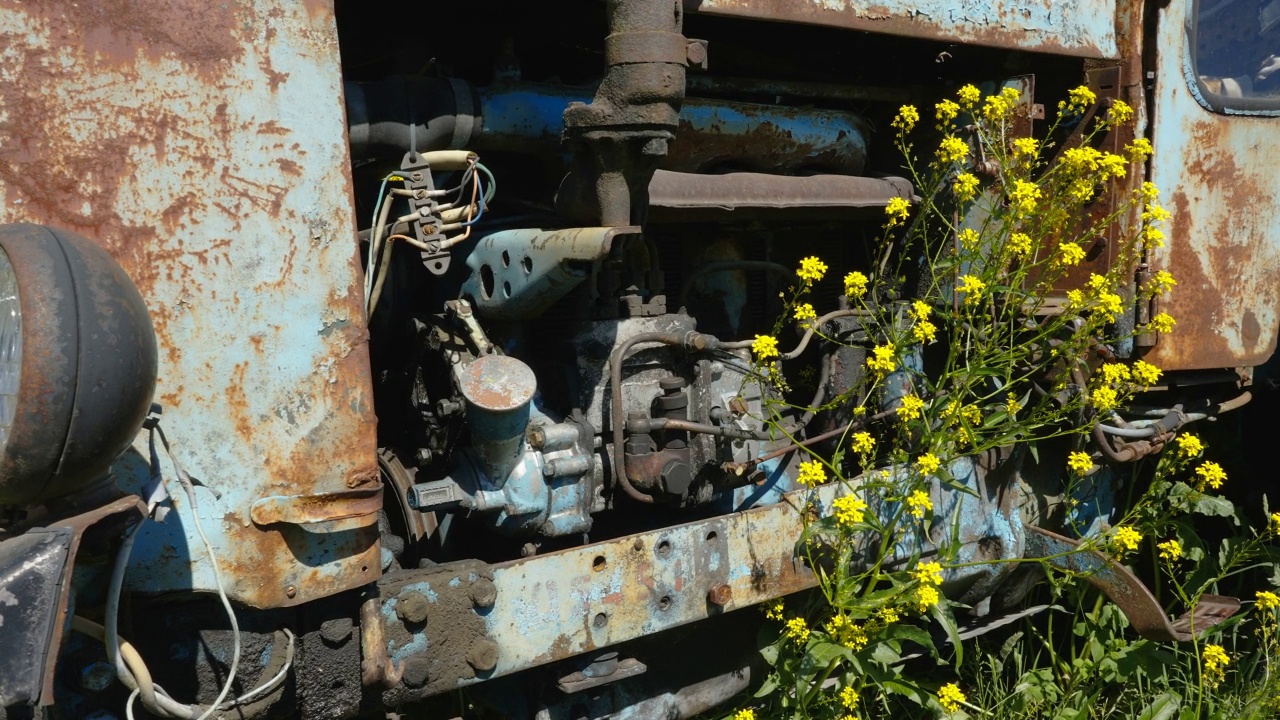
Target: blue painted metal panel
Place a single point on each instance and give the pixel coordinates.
(204, 146)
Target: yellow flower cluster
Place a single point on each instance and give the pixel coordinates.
(968, 238)
(918, 503)
(1211, 475)
(1120, 113)
(811, 473)
(1023, 196)
(1079, 462)
(805, 311)
(998, 107)
(1274, 523)
(922, 330)
(909, 408)
(1020, 244)
(1104, 398)
(1126, 539)
(1011, 404)
(881, 360)
(1106, 304)
(765, 347)
(907, 118)
(1170, 550)
(1139, 149)
(1161, 283)
(1189, 445)
(969, 96)
(965, 187)
(1215, 661)
(952, 150)
(929, 575)
(745, 714)
(897, 209)
(797, 629)
(973, 287)
(811, 270)
(1145, 373)
(928, 464)
(773, 611)
(855, 285)
(1114, 373)
(950, 697)
(846, 632)
(947, 112)
(1078, 100)
(849, 697)
(1025, 147)
(862, 442)
(1267, 600)
(1069, 255)
(1162, 323)
(848, 511)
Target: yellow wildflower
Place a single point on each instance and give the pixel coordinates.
(1075, 298)
(910, 407)
(1211, 475)
(898, 209)
(907, 118)
(848, 510)
(947, 111)
(1126, 539)
(881, 360)
(849, 697)
(1170, 550)
(1109, 306)
(804, 311)
(1162, 323)
(846, 632)
(811, 473)
(972, 414)
(1023, 196)
(1069, 254)
(1078, 100)
(1274, 524)
(1020, 243)
(1111, 166)
(811, 270)
(1081, 189)
(952, 149)
(973, 286)
(996, 108)
(773, 610)
(1120, 113)
(1215, 661)
(1104, 398)
(1011, 404)
(765, 346)
(965, 187)
(1081, 159)
(1189, 445)
(1267, 600)
(950, 697)
(798, 630)
(928, 464)
(888, 616)
(745, 714)
(968, 238)
(1113, 373)
(1139, 149)
(920, 310)
(1162, 282)
(1152, 237)
(1149, 191)
(923, 331)
(969, 95)
(1079, 462)
(926, 597)
(862, 443)
(1025, 147)
(1145, 373)
(1155, 213)
(919, 503)
(855, 285)
(929, 573)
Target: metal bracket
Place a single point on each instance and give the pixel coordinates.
(417, 179)
(355, 508)
(1127, 591)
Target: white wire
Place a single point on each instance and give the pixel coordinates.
(269, 685)
(128, 707)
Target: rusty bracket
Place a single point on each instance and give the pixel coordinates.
(1124, 589)
(355, 508)
(375, 666)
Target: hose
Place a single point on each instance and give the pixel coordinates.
(804, 339)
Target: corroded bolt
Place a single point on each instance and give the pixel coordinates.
(290, 591)
(720, 595)
(483, 655)
(484, 593)
(412, 606)
(416, 672)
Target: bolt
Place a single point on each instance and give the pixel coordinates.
(483, 655)
(528, 550)
(416, 672)
(96, 677)
(537, 438)
(411, 607)
(290, 592)
(416, 177)
(696, 53)
(637, 545)
(335, 632)
(720, 595)
(423, 456)
(483, 593)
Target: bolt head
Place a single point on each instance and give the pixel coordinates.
(417, 671)
(720, 595)
(484, 593)
(412, 607)
(483, 655)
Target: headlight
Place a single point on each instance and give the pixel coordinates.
(77, 362)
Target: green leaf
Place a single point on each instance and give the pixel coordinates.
(1164, 707)
(942, 614)
(910, 633)
(1213, 506)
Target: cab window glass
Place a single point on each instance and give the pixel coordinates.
(1236, 54)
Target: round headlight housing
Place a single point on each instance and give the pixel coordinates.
(77, 362)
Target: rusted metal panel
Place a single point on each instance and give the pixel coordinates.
(1217, 174)
(1084, 28)
(204, 146)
